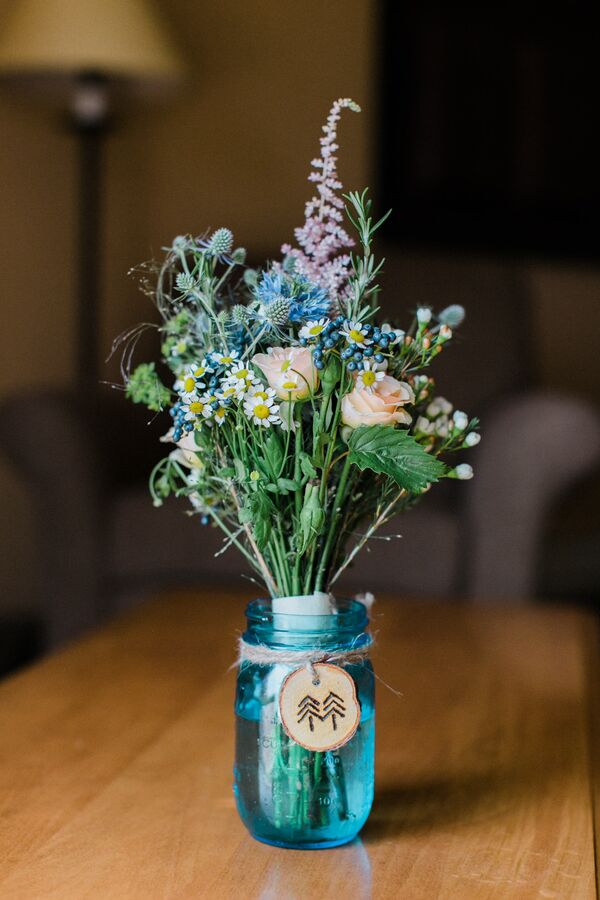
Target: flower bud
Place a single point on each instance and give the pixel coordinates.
(463, 472)
(472, 439)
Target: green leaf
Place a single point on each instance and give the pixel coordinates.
(257, 513)
(395, 453)
(287, 484)
(307, 466)
(274, 453)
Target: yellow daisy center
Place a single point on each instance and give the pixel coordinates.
(243, 373)
(285, 365)
(227, 359)
(289, 385)
(368, 378)
(261, 411)
(220, 413)
(316, 329)
(262, 394)
(196, 406)
(199, 372)
(357, 336)
(188, 384)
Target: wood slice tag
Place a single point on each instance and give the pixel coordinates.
(321, 711)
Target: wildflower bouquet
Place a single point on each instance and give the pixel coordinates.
(295, 415)
(300, 425)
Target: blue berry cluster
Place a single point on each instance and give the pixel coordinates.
(179, 423)
(354, 355)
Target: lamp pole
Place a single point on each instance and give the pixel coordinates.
(90, 119)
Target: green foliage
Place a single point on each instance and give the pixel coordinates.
(145, 387)
(395, 453)
(258, 512)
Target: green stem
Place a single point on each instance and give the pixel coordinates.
(331, 536)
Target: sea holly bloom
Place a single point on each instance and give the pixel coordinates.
(262, 411)
(356, 334)
(289, 362)
(369, 376)
(312, 330)
(381, 406)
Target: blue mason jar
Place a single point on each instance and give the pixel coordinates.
(288, 795)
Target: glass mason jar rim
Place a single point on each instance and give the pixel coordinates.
(346, 624)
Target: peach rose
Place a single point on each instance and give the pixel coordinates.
(289, 371)
(380, 406)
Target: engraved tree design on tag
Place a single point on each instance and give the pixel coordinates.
(311, 709)
(333, 706)
(322, 717)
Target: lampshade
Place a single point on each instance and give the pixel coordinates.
(115, 38)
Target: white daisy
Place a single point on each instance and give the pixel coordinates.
(227, 359)
(259, 390)
(193, 407)
(262, 411)
(228, 390)
(240, 377)
(355, 334)
(369, 376)
(289, 381)
(219, 414)
(312, 330)
(202, 369)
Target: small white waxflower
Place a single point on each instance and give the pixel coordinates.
(369, 376)
(262, 412)
(463, 472)
(438, 407)
(445, 333)
(424, 315)
(395, 335)
(228, 358)
(355, 334)
(312, 330)
(460, 419)
(424, 425)
(472, 439)
(442, 426)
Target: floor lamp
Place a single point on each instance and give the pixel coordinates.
(90, 54)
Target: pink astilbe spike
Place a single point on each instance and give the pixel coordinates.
(322, 236)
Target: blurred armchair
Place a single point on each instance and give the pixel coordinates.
(101, 542)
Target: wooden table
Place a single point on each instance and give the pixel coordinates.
(115, 763)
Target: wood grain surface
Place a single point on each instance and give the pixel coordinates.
(116, 755)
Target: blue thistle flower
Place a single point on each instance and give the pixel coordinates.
(307, 300)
